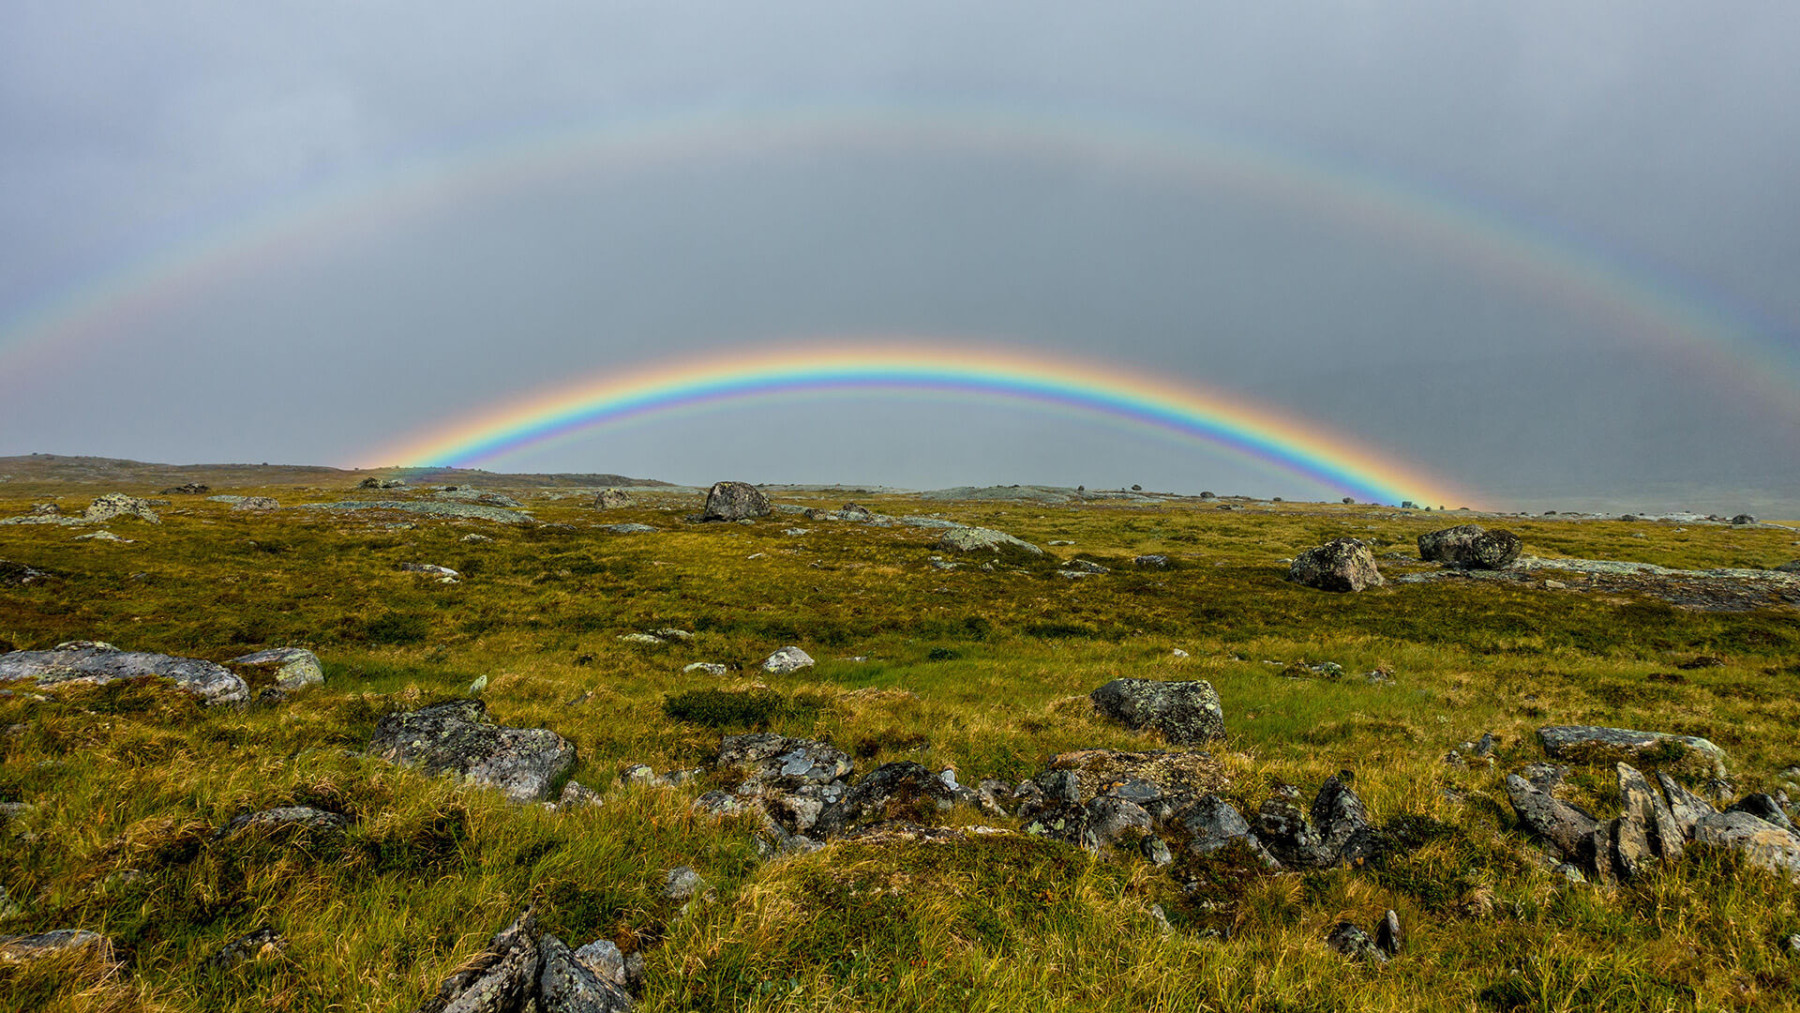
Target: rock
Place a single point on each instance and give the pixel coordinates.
(300, 818)
(612, 499)
(19, 574)
(1388, 937)
(1342, 822)
(1152, 561)
(1763, 807)
(1564, 742)
(1744, 519)
(1444, 545)
(1686, 807)
(1287, 834)
(293, 667)
(104, 536)
(902, 790)
(44, 510)
(647, 639)
(1086, 566)
(566, 984)
(1793, 567)
(1113, 822)
(1646, 809)
(602, 957)
(474, 539)
(854, 512)
(1184, 712)
(479, 685)
(1631, 850)
(117, 504)
(788, 659)
(1561, 824)
(1354, 943)
(682, 884)
(628, 529)
(734, 501)
(444, 574)
(1214, 823)
(501, 979)
(189, 489)
(1545, 776)
(98, 664)
(1597, 853)
(1342, 565)
(707, 668)
(263, 942)
(1490, 550)
(19, 949)
(369, 483)
(574, 793)
(1762, 843)
(459, 738)
(256, 503)
(769, 759)
(986, 540)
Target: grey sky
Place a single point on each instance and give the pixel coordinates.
(1660, 135)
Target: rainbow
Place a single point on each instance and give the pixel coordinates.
(1649, 307)
(908, 367)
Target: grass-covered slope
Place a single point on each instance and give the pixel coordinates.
(985, 672)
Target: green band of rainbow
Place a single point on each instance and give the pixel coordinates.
(1084, 387)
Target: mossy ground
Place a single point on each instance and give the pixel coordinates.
(984, 672)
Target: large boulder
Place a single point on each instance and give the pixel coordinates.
(1578, 742)
(986, 540)
(97, 664)
(1184, 712)
(1345, 564)
(1444, 545)
(1760, 842)
(612, 499)
(1561, 824)
(788, 659)
(291, 667)
(459, 738)
(116, 504)
(734, 501)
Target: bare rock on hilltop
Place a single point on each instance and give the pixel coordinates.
(1345, 564)
(734, 501)
(459, 738)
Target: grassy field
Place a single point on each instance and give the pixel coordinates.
(984, 672)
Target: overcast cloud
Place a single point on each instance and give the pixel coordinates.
(1657, 135)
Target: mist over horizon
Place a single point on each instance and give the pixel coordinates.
(328, 312)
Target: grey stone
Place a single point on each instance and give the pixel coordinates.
(1686, 807)
(1086, 566)
(682, 884)
(504, 978)
(1342, 822)
(567, 985)
(788, 659)
(1762, 843)
(892, 791)
(1744, 519)
(293, 667)
(19, 949)
(1114, 821)
(19, 574)
(431, 508)
(1490, 550)
(1577, 741)
(459, 738)
(1442, 546)
(707, 668)
(287, 818)
(734, 501)
(1184, 712)
(985, 540)
(1545, 776)
(628, 529)
(612, 499)
(1645, 808)
(1287, 834)
(1354, 943)
(1152, 561)
(114, 505)
(444, 574)
(854, 512)
(1631, 849)
(256, 503)
(574, 793)
(1552, 819)
(602, 957)
(1763, 807)
(98, 664)
(1213, 823)
(769, 759)
(247, 947)
(1343, 565)
(1388, 937)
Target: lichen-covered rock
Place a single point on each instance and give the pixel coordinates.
(1184, 712)
(734, 501)
(19, 949)
(98, 664)
(1760, 842)
(20, 574)
(612, 499)
(1556, 821)
(985, 540)
(1345, 564)
(903, 790)
(1214, 823)
(1686, 807)
(117, 504)
(459, 738)
(768, 759)
(504, 978)
(256, 503)
(1443, 545)
(1354, 943)
(788, 659)
(1588, 741)
(293, 667)
(291, 818)
(1764, 807)
(1644, 807)
(566, 984)
(1342, 822)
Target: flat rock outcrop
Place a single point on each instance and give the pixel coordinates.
(1345, 564)
(459, 738)
(734, 501)
(1184, 712)
(985, 540)
(19, 949)
(1585, 741)
(292, 667)
(98, 664)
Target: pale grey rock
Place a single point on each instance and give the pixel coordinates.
(612, 499)
(444, 574)
(256, 503)
(567, 985)
(459, 738)
(504, 978)
(1761, 843)
(116, 504)
(1552, 819)
(788, 659)
(1646, 809)
(734, 501)
(98, 664)
(1343, 565)
(1355, 944)
(1686, 807)
(985, 540)
(1576, 741)
(293, 667)
(292, 818)
(682, 884)
(20, 949)
(707, 668)
(628, 529)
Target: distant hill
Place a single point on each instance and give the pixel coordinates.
(117, 471)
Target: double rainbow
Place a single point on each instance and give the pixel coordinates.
(912, 367)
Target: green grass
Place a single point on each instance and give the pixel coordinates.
(984, 672)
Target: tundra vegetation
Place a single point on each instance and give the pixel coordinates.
(117, 795)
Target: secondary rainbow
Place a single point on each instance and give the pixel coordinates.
(1087, 388)
(1647, 306)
